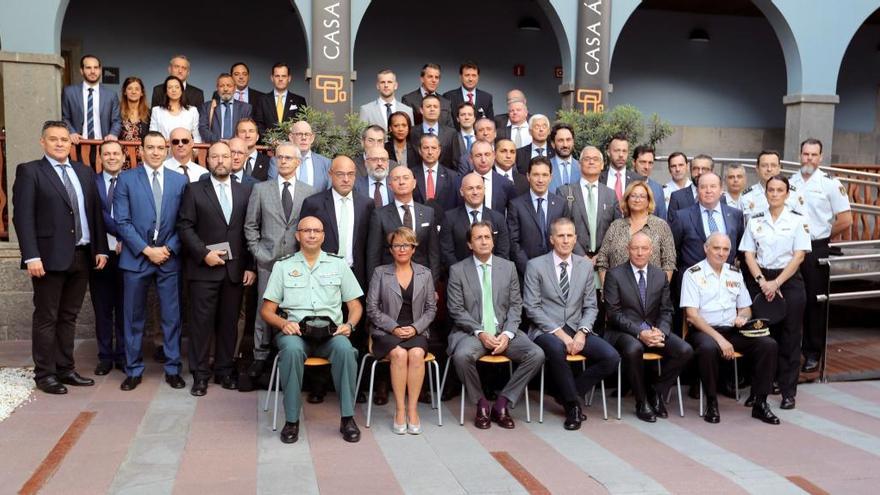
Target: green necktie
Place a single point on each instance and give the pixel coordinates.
(591, 217)
(488, 306)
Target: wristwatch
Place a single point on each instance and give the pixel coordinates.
(585, 330)
(759, 278)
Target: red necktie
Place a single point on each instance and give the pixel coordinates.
(470, 98)
(430, 184)
(618, 187)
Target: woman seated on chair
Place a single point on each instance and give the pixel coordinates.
(401, 306)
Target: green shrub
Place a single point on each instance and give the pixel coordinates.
(331, 139)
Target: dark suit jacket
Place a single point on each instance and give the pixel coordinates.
(412, 157)
(446, 192)
(659, 198)
(253, 96)
(520, 182)
(630, 176)
(502, 129)
(43, 215)
(503, 192)
(362, 186)
(106, 208)
(194, 95)
(385, 220)
(323, 207)
(414, 100)
(211, 133)
(482, 101)
(524, 156)
(267, 117)
(623, 306)
(73, 110)
(607, 211)
(679, 200)
(453, 235)
(687, 230)
(201, 222)
(449, 149)
(260, 171)
(526, 241)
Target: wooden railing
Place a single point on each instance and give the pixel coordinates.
(863, 188)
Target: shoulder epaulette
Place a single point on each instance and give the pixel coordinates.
(749, 189)
(694, 269)
(285, 257)
(734, 268)
(796, 213)
(334, 255)
(791, 188)
(758, 215)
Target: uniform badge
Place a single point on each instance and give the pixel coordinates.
(801, 200)
(295, 273)
(751, 205)
(759, 324)
(732, 284)
(806, 228)
(758, 230)
(842, 191)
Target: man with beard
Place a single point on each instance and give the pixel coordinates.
(378, 111)
(375, 184)
(218, 117)
(565, 169)
(90, 110)
(616, 176)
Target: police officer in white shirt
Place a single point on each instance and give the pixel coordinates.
(754, 199)
(774, 244)
(718, 306)
(734, 184)
(828, 213)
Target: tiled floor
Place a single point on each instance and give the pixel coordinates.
(156, 440)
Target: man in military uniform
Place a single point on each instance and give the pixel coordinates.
(754, 199)
(827, 210)
(718, 305)
(309, 284)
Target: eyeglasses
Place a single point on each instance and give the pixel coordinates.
(183, 141)
(302, 134)
(401, 247)
(239, 153)
(310, 231)
(373, 141)
(638, 196)
(377, 160)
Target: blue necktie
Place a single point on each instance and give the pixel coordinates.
(542, 222)
(430, 130)
(713, 226)
(74, 201)
(563, 280)
(469, 141)
(226, 131)
(224, 202)
(643, 295)
(90, 117)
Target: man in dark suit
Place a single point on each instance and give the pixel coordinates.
(529, 216)
(218, 117)
(241, 74)
(464, 120)
(257, 163)
(687, 196)
(539, 130)
(454, 233)
(515, 124)
(449, 149)
(239, 151)
(639, 316)
(375, 184)
(469, 75)
(179, 68)
(145, 203)
(643, 164)
(105, 286)
(57, 215)
(90, 110)
(498, 190)
(370, 137)
(505, 165)
(279, 105)
(436, 185)
(211, 229)
(430, 80)
(616, 175)
(404, 211)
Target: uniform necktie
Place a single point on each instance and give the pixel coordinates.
(713, 226)
(90, 114)
(618, 187)
(110, 191)
(157, 200)
(74, 202)
(643, 295)
(563, 280)
(542, 222)
(287, 200)
(430, 185)
(591, 217)
(343, 226)
(224, 202)
(517, 137)
(469, 140)
(407, 217)
(279, 107)
(488, 305)
(470, 97)
(474, 214)
(387, 111)
(377, 194)
(249, 167)
(226, 131)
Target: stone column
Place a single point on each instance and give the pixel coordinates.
(31, 96)
(809, 116)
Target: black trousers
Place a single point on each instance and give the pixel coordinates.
(676, 355)
(105, 287)
(787, 333)
(58, 297)
(214, 310)
(815, 283)
(602, 360)
(760, 350)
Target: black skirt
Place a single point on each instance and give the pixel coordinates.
(382, 344)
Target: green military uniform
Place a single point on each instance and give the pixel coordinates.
(304, 291)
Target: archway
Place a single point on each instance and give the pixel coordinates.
(391, 31)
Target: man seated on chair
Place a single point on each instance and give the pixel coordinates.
(310, 287)
(639, 319)
(717, 306)
(560, 299)
(484, 303)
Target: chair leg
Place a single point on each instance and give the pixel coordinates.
(461, 414)
(541, 398)
(604, 401)
(619, 364)
(735, 380)
(590, 398)
(271, 380)
(431, 385)
(680, 402)
(277, 393)
(701, 398)
(438, 394)
(370, 394)
(357, 387)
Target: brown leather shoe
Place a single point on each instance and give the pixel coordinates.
(482, 421)
(503, 418)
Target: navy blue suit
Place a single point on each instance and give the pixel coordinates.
(659, 201)
(106, 289)
(210, 132)
(503, 192)
(135, 214)
(680, 200)
(73, 110)
(690, 235)
(364, 185)
(446, 190)
(526, 239)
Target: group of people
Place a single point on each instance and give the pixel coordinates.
(452, 233)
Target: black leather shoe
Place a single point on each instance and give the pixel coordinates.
(483, 421)
(103, 368)
(51, 385)
(645, 412)
(761, 410)
(290, 432)
(502, 418)
(73, 378)
(230, 382)
(811, 365)
(657, 404)
(200, 387)
(130, 383)
(573, 418)
(349, 430)
(315, 398)
(256, 369)
(380, 395)
(775, 389)
(176, 381)
(750, 402)
(712, 415)
(159, 355)
(787, 403)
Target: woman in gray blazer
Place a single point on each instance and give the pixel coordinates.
(401, 305)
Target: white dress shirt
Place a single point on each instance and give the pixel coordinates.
(96, 114)
(383, 188)
(717, 215)
(282, 180)
(525, 138)
(349, 206)
(611, 180)
(471, 217)
(412, 211)
(194, 171)
(243, 95)
(487, 189)
(506, 173)
(435, 126)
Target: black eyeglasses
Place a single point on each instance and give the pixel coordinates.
(175, 142)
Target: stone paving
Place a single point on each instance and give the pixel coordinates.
(156, 440)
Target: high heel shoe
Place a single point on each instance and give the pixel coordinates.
(414, 429)
(398, 429)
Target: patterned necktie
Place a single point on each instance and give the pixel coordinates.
(563, 280)
(74, 201)
(157, 200)
(488, 305)
(542, 222)
(90, 114)
(224, 202)
(474, 214)
(287, 200)
(430, 130)
(470, 98)
(643, 295)
(713, 226)
(279, 107)
(407, 216)
(377, 194)
(618, 187)
(591, 217)
(430, 185)
(343, 226)
(540, 151)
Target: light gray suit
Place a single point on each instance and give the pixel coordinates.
(464, 300)
(270, 237)
(543, 300)
(607, 211)
(384, 300)
(374, 113)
